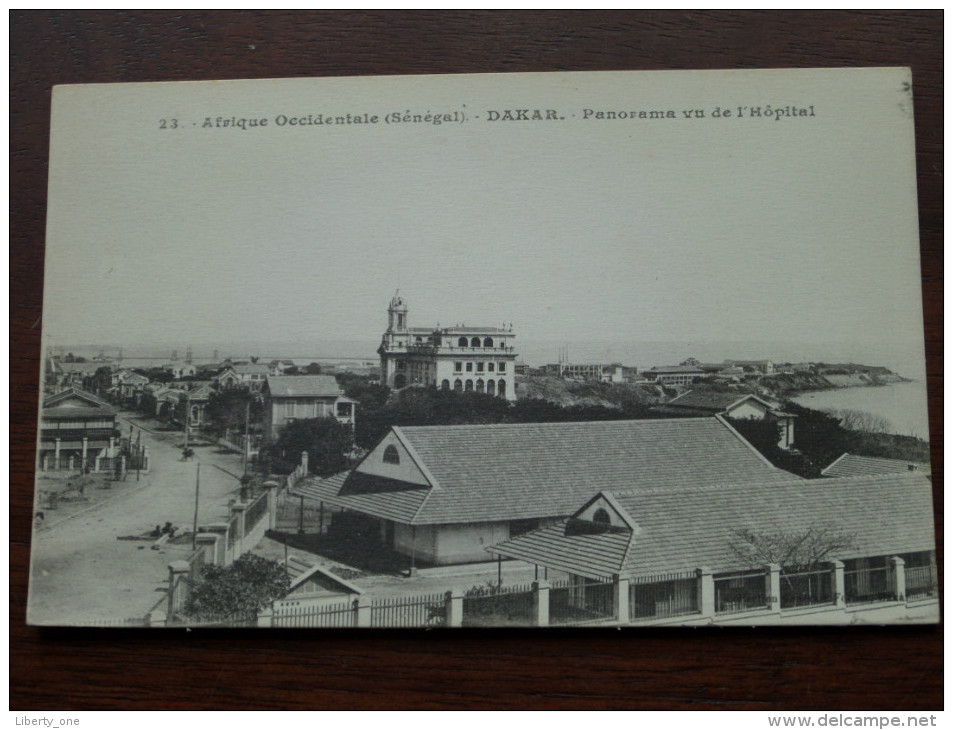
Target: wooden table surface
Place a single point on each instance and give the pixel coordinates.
(764, 669)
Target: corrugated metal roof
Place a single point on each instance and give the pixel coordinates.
(850, 465)
(682, 530)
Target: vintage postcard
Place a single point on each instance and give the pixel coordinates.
(564, 349)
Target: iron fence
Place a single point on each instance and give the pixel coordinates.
(233, 525)
(327, 616)
(674, 594)
(921, 581)
(810, 588)
(410, 612)
(741, 592)
(581, 601)
(867, 585)
(255, 512)
(196, 563)
(499, 606)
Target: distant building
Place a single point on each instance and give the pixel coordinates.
(180, 370)
(765, 367)
(280, 367)
(735, 405)
(603, 372)
(480, 359)
(295, 397)
(242, 375)
(673, 374)
(75, 374)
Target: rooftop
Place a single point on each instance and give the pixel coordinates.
(489, 473)
(681, 530)
(303, 386)
(849, 465)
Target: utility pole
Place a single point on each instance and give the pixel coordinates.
(245, 442)
(195, 517)
(188, 414)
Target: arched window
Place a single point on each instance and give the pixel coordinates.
(418, 340)
(479, 388)
(391, 456)
(445, 385)
(399, 381)
(475, 342)
(462, 342)
(490, 387)
(458, 385)
(501, 389)
(601, 517)
(469, 385)
(488, 342)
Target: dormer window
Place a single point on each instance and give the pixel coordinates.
(601, 517)
(391, 456)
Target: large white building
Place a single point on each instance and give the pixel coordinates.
(462, 358)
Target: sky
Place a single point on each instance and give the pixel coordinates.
(795, 230)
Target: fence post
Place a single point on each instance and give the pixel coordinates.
(897, 578)
(85, 447)
(220, 530)
(177, 569)
(304, 463)
(620, 598)
(362, 612)
(265, 618)
(239, 509)
(56, 455)
(454, 601)
(706, 592)
(773, 586)
(208, 541)
(541, 603)
(837, 586)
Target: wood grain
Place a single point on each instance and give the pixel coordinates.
(765, 669)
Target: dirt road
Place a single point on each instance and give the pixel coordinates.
(80, 570)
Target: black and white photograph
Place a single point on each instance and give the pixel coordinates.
(581, 349)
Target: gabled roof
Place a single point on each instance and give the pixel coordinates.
(303, 386)
(850, 465)
(77, 403)
(681, 530)
(490, 473)
(252, 368)
(714, 401)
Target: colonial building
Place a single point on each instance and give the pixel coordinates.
(480, 359)
(443, 494)
(74, 427)
(295, 397)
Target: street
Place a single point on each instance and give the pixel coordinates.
(82, 571)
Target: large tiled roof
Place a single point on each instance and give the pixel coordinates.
(375, 496)
(250, 369)
(489, 473)
(850, 465)
(302, 386)
(681, 530)
(709, 400)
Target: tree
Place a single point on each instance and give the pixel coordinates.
(226, 410)
(796, 551)
(102, 379)
(239, 591)
(312, 369)
(327, 441)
